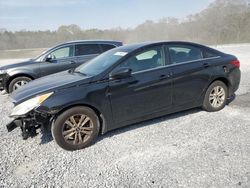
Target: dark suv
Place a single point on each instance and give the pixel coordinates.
(59, 58)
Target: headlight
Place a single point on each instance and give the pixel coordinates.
(2, 71)
(29, 105)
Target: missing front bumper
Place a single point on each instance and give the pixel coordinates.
(1, 84)
(13, 125)
(29, 124)
(27, 128)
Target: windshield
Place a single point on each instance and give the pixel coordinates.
(100, 63)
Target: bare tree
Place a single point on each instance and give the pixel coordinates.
(223, 21)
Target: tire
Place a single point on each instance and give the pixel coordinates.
(18, 82)
(216, 97)
(67, 132)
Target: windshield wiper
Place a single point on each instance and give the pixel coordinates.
(74, 71)
(71, 70)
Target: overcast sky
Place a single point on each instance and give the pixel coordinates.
(102, 14)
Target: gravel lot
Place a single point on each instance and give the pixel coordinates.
(188, 149)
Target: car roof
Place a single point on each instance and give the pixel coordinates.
(92, 41)
(131, 47)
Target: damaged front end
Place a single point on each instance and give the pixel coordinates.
(27, 116)
(30, 123)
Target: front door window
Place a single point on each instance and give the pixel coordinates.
(149, 59)
(63, 52)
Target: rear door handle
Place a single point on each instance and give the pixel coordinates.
(206, 65)
(72, 62)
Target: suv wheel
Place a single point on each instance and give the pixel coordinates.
(76, 128)
(17, 83)
(216, 97)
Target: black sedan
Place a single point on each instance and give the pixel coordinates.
(123, 86)
(59, 58)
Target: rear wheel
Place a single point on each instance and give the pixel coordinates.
(216, 97)
(76, 128)
(18, 82)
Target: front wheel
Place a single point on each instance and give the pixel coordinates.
(76, 128)
(18, 82)
(215, 97)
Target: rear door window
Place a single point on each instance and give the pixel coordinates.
(87, 49)
(184, 53)
(210, 54)
(106, 47)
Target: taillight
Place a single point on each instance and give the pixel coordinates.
(235, 63)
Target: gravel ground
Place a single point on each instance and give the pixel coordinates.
(188, 149)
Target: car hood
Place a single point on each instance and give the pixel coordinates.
(47, 84)
(15, 65)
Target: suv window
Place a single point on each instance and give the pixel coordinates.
(147, 59)
(63, 52)
(106, 47)
(183, 53)
(87, 49)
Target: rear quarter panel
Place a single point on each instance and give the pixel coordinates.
(222, 70)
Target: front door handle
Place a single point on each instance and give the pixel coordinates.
(165, 76)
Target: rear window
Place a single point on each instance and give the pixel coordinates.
(184, 53)
(209, 54)
(87, 49)
(106, 47)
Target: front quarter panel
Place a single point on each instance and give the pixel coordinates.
(22, 71)
(92, 95)
(12, 73)
(30, 68)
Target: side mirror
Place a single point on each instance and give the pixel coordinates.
(49, 58)
(122, 72)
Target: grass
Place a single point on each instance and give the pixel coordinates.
(21, 53)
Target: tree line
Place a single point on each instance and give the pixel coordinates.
(223, 21)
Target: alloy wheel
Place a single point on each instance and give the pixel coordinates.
(18, 84)
(77, 129)
(217, 97)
